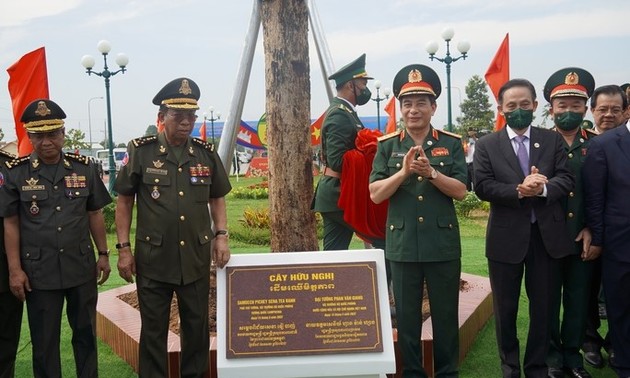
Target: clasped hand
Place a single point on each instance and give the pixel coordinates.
(417, 164)
(533, 185)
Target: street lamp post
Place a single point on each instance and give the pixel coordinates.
(212, 118)
(378, 99)
(104, 47)
(90, 120)
(463, 47)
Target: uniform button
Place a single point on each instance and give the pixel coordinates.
(56, 187)
(202, 181)
(157, 180)
(420, 198)
(205, 237)
(571, 194)
(181, 194)
(182, 243)
(420, 219)
(570, 215)
(179, 169)
(420, 178)
(58, 208)
(59, 229)
(570, 155)
(148, 238)
(182, 218)
(34, 197)
(441, 164)
(397, 165)
(28, 254)
(450, 226)
(391, 227)
(61, 250)
(77, 193)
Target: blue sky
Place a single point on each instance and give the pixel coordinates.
(203, 39)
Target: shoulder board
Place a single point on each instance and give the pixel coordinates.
(203, 144)
(7, 154)
(16, 162)
(449, 133)
(343, 107)
(143, 141)
(389, 136)
(591, 132)
(80, 158)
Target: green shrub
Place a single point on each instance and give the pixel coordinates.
(466, 206)
(255, 227)
(250, 193)
(109, 213)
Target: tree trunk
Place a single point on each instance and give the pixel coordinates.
(285, 33)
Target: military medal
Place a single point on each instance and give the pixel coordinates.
(34, 209)
(198, 172)
(155, 194)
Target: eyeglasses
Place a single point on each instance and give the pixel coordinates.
(180, 116)
(614, 110)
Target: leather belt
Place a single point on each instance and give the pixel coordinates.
(330, 173)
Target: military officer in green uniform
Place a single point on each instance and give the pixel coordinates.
(567, 91)
(10, 306)
(179, 185)
(51, 205)
(421, 170)
(339, 131)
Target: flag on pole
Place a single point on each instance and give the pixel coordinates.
(202, 130)
(316, 130)
(499, 73)
(390, 109)
(28, 81)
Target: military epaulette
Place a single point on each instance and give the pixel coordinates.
(80, 158)
(343, 107)
(389, 136)
(17, 162)
(7, 154)
(449, 133)
(592, 132)
(204, 144)
(145, 140)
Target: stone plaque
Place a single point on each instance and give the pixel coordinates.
(302, 309)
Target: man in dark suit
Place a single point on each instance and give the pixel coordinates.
(339, 131)
(522, 171)
(607, 188)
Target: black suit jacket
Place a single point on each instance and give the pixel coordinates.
(497, 174)
(606, 177)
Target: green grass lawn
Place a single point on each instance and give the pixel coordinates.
(482, 360)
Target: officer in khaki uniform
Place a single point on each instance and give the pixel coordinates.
(421, 170)
(51, 205)
(567, 91)
(339, 132)
(10, 306)
(173, 178)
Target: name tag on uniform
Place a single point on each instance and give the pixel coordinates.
(398, 154)
(162, 172)
(439, 151)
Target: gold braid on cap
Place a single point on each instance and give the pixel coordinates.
(43, 126)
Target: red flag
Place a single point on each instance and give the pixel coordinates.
(390, 108)
(316, 130)
(499, 73)
(202, 130)
(28, 81)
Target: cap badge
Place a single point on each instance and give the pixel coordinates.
(42, 109)
(414, 76)
(185, 88)
(572, 79)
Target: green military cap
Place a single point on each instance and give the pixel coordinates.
(352, 70)
(181, 93)
(42, 116)
(570, 81)
(586, 124)
(417, 79)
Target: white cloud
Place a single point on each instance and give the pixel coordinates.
(20, 12)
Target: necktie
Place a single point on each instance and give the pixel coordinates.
(521, 153)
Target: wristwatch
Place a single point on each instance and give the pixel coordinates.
(434, 174)
(123, 245)
(221, 232)
(104, 253)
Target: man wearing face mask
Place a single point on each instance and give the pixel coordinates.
(339, 131)
(522, 171)
(567, 91)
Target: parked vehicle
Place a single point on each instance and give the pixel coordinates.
(103, 157)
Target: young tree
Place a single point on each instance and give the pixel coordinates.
(476, 110)
(75, 139)
(285, 34)
(151, 130)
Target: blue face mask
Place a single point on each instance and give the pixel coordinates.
(519, 119)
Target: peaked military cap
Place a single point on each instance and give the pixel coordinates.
(42, 116)
(352, 70)
(570, 81)
(181, 93)
(417, 79)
